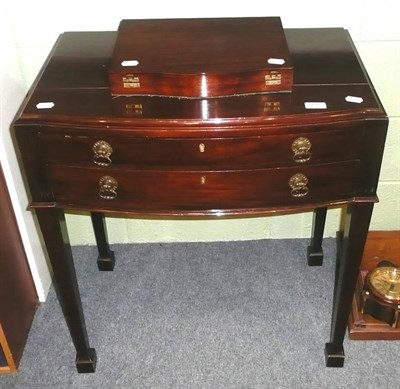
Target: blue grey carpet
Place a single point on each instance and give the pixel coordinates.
(247, 314)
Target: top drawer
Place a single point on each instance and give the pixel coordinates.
(255, 151)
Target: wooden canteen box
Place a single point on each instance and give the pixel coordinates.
(200, 58)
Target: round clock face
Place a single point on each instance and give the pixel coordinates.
(385, 282)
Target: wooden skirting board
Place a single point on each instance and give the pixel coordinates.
(380, 245)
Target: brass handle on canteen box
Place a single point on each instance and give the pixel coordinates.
(108, 187)
(298, 184)
(301, 149)
(102, 152)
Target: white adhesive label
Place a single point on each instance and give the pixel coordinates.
(354, 99)
(45, 105)
(276, 61)
(315, 105)
(132, 62)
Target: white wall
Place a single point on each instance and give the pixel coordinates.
(34, 26)
(12, 90)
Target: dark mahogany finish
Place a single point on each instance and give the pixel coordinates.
(18, 299)
(254, 154)
(200, 57)
(315, 253)
(106, 259)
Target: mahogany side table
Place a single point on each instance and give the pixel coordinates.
(319, 146)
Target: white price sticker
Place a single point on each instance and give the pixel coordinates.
(276, 61)
(354, 99)
(131, 62)
(45, 105)
(315, 105)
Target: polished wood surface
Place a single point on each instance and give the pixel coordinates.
(147, 114)
(60, 255)
(204, 152)
(18, 299)
(200, 57)
(320, 56)
(381, 245)
(152, 191)
(255, 154)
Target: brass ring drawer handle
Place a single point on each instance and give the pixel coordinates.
(298, 184)
(102, 152)
(301, 150)
(108, 187)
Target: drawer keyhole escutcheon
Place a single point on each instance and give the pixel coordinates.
(298, 184)
(301, 149)
(102, 152)
(202, 147)
(108, 187)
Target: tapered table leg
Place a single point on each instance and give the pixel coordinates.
(315, 253)
(355, 232)
(106, 259)
(55, 235)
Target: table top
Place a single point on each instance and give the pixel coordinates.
(327, 71)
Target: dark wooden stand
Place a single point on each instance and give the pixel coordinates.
(242, 155)
(18, 299)
(380, 245)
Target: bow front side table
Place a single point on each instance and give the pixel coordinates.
(315, 147)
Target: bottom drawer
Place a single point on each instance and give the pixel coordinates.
(168, 191)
